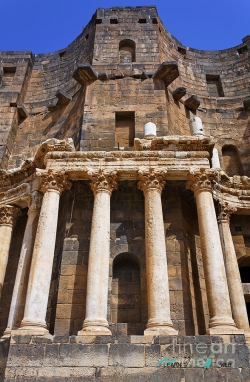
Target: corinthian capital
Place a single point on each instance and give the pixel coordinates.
(9, 215)
(225, 211)
(103, 181)
(50, 180)
(201, 180)
(153, 179)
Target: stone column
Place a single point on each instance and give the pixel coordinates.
(33, 323)
(159, 321)
(95, 322)
(22, 275)
(232, 269)
(8, 219)
(221, 321)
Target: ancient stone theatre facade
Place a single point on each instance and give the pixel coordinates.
(125, 207)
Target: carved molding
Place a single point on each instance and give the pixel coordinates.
(25, 173)
(224, 211)
(9, 215)
(103, 181)
(151, 179)
(50, 180)
(201, 180)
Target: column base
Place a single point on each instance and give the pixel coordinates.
(94, 331)
(28, 328)
(30, 331)
(98, 327)
(160, 329)
(221, 330)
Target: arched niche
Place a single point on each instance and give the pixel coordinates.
(127, 51)
(231, 160)
(126, 289)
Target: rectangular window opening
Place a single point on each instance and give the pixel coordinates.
(154, 20)
(182, 51)
(142, 21)
(214, 85)
(87, 36)
(242, 50)
(98, 21)
(113, 21)
(62, 55)
(124, 129)
(9, 71)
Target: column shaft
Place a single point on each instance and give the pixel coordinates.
(34, 322)
(233, 276)
(221, 321)
(8, 217)
(5, 240)
(98, 265)
(159, 321)
(22, 275)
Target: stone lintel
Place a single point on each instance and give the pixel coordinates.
(168, 71)
(84, 73)
(179, 93)
(192, 103)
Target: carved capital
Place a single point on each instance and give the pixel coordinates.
(9, 215)
(225, 211)
(151, 179)
(202, 180)
(50, 180)
(35, 201)
(103, 181)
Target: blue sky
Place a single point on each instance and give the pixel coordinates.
(49, 25)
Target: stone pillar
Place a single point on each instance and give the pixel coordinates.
(8, 219)
(232, 269)
(221, 321)
(159, 321)
(22, 275)
(33, 323)
(95, 322)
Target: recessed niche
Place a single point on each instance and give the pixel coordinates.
(124, 128)
(214, 85)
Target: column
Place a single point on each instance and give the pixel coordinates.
(33, 323)
(95, 322)
(22, 275)
(159, 321)
(232, 269)
(8, 219)
(221, 321)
